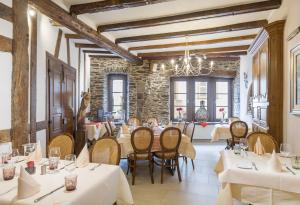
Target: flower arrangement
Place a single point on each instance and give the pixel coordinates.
(179, 109)
(222, 110)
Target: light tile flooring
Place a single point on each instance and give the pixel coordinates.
(198, 187)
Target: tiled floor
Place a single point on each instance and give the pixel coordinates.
(199, 187)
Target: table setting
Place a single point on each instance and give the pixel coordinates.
(32, 179)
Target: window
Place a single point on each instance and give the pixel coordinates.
(188, 92)
(117, 93)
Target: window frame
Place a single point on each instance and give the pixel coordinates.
(211, 95)
(110, 79)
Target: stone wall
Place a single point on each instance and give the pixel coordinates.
(148, 86)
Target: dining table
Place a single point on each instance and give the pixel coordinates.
(249, 178)
(94, 130)
(97, 184)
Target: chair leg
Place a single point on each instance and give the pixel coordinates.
(128, 165)
(162, 171)
(151, 171)
(185, 159)
(178, 170)
(133, 172)
(193, 164)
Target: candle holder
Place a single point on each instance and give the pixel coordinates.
(9, 172)
(71, 182)
(296, 162)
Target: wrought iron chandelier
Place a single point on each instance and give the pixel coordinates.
(190, 64)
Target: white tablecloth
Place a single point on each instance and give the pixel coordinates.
(103, 186)
(262, 186)
(220, 132)
(95, 130)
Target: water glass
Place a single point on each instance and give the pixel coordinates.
(9, 171)
(296, 162)
(29, 148)
(53, 163)
(237, 149)
(54, 152)
(70, 164)
(71, 182)
(15, 155)
(285, 150)
(244, 144)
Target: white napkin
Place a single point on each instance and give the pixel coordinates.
(27, 186)
(274, 163)
(125, 129)
(259, 148)
(37, 154)
(83, 159)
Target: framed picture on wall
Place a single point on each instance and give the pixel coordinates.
(295, 80)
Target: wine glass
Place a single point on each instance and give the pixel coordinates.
(244, 144)
(54, 152)
(70, 162)
(285, 150)
(28, 148)
(54, 156)
(15, 155)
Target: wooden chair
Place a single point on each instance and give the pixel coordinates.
(134, 120)
(268, 142)
(65, 142)
(141, 140)
(153, 121)
(108, 130)
(111, 128)
(238, 130)
(106, 150)
(170, 140)
(189, 131)
(233, 119)
(181, 126)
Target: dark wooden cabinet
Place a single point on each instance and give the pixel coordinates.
(61, 97)
(267, 74)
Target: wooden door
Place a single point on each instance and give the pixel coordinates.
(263, 66)
(255, 77)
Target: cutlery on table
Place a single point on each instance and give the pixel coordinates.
(289, 169)
(254, 165)
(8, 191)
(66, 165)
(93, 168)
(45, 195)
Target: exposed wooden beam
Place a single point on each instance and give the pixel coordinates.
(109, 5)
(6, 12)
(68, 51)
(86, 45)
(5, 44)
(20, 75)
(58, 42)
(73, 36)
(196, 51)
(227, 28)
(61, 16)
(98, 52)
(33, 76)
(206, 14)
(193, 43)
(103, 56)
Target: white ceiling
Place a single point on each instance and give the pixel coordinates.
(168, 9)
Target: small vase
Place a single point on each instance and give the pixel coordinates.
(179, 117)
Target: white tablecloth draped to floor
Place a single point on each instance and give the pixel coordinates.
(103, 186)
(261, 187)
(221, 132)
(94, 130)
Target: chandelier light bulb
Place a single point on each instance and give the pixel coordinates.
(200, 60)
(31, 12)
(211, 63)
(204, 56)
(163, 66)
(172, 61)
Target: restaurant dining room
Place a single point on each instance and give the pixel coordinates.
(149, 102)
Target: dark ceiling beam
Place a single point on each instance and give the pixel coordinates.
(103, 56)
(196, 51)
(206, 14)
(193, 43)
(97, 52)
(227, 28)
(59, 15)
(73, 36)
(109, 5)
(6, 12)
(86, 45)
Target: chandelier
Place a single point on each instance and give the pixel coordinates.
(190, 64)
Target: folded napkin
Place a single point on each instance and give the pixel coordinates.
(27, 186)
(259, 148)
(125, 129)
(274, 163)
(36, 155)
(83, 159)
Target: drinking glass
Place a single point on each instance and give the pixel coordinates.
(296, 162)
(15, 155)
(244, 144)
(9, 172)
(70, 162)
(285, 150)
(54, 157)
(54, 152)
(29, 148)
(71, 182)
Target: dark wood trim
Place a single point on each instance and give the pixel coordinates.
(110, 5)
(6, 12)
(198, 15)
(78, 75)
(68, 51)
(56, 13)
(103, 56)
(226, 28)
(58, 42)
(42, 125)
(5, 44)
(196, 51)
(86, 45)
(294, 33)
(97, 52)
(73, 36)
(84, 71)
(193, 43)
(33, 76)
(20, 75)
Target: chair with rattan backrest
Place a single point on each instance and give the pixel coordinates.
(153, 121)
(111, 128)
(267, 141)
(108, 130)
(133, 121)
(233, 119)
(65, 142)
(189, 131)
(170, 139)
(106, 151)
(238, 130)
(181, 126)
(141, 141)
